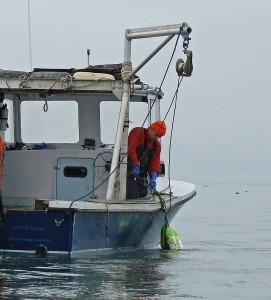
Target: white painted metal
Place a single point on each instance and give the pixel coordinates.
(122, 131)
(146, 32)
(115, 160)
(16, 83)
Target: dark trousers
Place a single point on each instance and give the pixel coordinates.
(137, 187)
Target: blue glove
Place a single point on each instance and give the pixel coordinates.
(153, 177)
(135, 170)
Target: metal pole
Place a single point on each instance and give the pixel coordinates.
(124, 150)
(88, 53)
(124, 109)
(159, 31)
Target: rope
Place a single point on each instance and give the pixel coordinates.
(175, 98)
(107, 224)
(23, 79)
(162, 203)
(6, 79)
(126, 70)
(164, 77)
(63, 80)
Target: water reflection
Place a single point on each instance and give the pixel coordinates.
(140, 276)
(112, 275)
(2, 283)
(137, 274)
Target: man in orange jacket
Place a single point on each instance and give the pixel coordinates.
(144, 151)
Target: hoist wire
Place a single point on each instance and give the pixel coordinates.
(174, 100)
(149, 111)
(174, 96)
(164, 77)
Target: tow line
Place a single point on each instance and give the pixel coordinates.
(170, 239)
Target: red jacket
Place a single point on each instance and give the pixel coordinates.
(137, 137)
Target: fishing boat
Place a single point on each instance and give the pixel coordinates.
(67, 194)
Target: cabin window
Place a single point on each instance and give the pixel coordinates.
(59, 124)
(109, 114)
(9, 133)
(80, 172)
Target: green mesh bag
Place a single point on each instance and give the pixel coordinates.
(170, 239)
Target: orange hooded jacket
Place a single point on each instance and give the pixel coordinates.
(137, 137)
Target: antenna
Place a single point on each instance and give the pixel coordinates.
(88, 53)
(29, 36)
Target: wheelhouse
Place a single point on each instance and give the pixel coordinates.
(61, 130)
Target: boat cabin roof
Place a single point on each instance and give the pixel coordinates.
(98, 79)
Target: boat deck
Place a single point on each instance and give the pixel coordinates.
(182, 192)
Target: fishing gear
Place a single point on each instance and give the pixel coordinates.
(170, 239)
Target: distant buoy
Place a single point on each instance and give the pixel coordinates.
(41, 250)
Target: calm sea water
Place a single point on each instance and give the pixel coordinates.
(225, 230)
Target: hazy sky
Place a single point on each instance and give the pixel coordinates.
(223, 126)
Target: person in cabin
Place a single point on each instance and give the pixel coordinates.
(144, 151)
